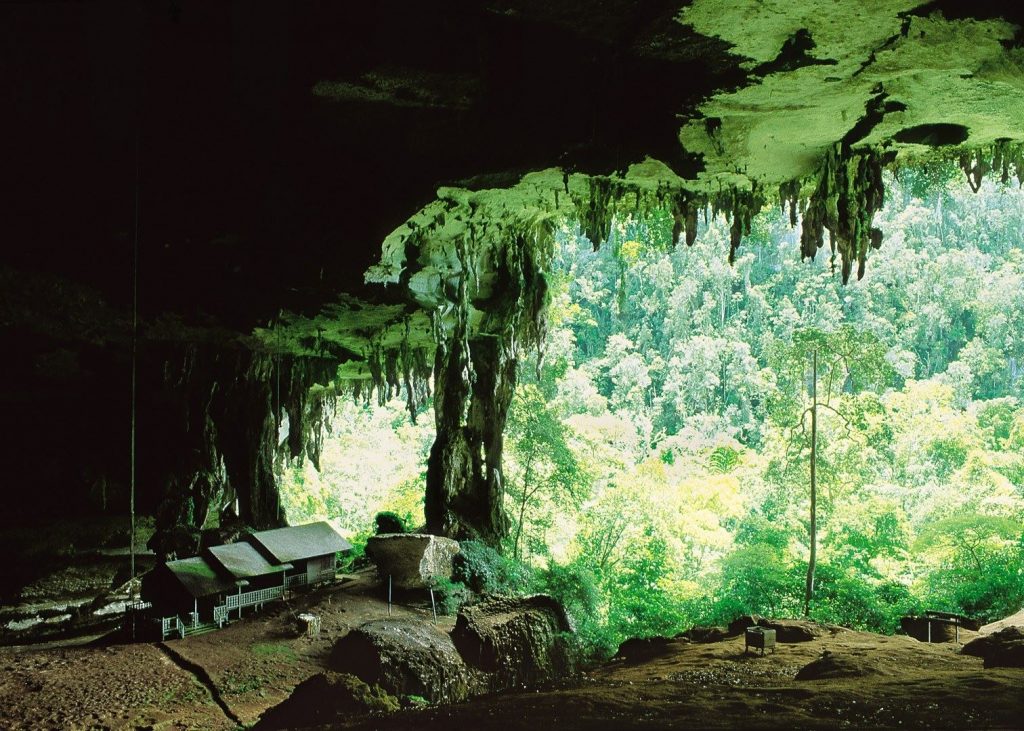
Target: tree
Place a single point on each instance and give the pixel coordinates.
(544, 471)
(849, 360)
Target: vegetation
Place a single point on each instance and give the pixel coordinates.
(658, 459)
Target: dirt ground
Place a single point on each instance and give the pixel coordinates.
(228, 678)
(901, 683)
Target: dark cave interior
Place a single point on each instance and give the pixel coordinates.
(329, 199)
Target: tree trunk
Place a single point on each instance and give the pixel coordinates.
(809, 592)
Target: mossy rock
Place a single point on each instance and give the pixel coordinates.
(327, 698)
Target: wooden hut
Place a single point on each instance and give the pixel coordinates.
(190, 588)
(256, 579)
(310, 549)
(195, 594)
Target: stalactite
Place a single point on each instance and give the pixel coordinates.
(230, 401)
(998, 158)
(475, 373)
(684, 208)
(789, 194)
(849, 191)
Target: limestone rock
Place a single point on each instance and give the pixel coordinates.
(518, 641)
(1002, 649)
(739, 625)
(638, 649)
(412, 560)
(1014, 620)
(407, 657)
(830, 666)
(324, 699)
(706, 634)
(795, 630)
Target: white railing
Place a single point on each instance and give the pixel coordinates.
(220, 615)
(234, 601)
(169, 626)
(304, 580)
(326, 575)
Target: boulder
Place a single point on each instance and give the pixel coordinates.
(516, 641)
(638, 649)
(1014, 620)
(739, 625)
(830, 666)
(407, 657)
(706, 634)
(326, 699)
(412, 560)
(794, 630)
(1002, 649)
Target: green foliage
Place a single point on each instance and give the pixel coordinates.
(450, 595)
(656, 460)
(640, 604)
(485, 571)
(756, 579)
(576, 585)
(543, 471)
(846, 597)
(389, 522)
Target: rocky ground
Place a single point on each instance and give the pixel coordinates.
(227, 679)
(66, 579)
(218, 680)
(885, 682)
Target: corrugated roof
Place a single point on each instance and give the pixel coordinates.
(198, 577)
(301, 541)
(242, 561)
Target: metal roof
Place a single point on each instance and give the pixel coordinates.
(300, 541)
(242, 561)
(198, 577)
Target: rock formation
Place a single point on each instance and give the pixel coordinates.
(256, 184)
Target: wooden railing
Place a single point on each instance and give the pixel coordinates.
(170, 626)
(249, 598)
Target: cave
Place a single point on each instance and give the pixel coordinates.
(224, 219)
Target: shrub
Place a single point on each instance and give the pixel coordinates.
(389, 522)
(450, 596)
(486, 571)
(576, 587)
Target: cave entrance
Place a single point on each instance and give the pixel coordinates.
(372, 459)
(657, 458)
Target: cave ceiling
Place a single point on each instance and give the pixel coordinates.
(307, 175)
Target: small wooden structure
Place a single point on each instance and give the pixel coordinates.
(190, 591)
(935, 626)
(760, 638)
(250, 572)
(309, 550)
(199, 594)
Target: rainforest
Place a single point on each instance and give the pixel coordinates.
(659, 441)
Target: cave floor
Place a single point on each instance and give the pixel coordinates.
(244, 669)
(228, 678)
(898, 682)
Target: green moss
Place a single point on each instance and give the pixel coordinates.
(276, 650)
